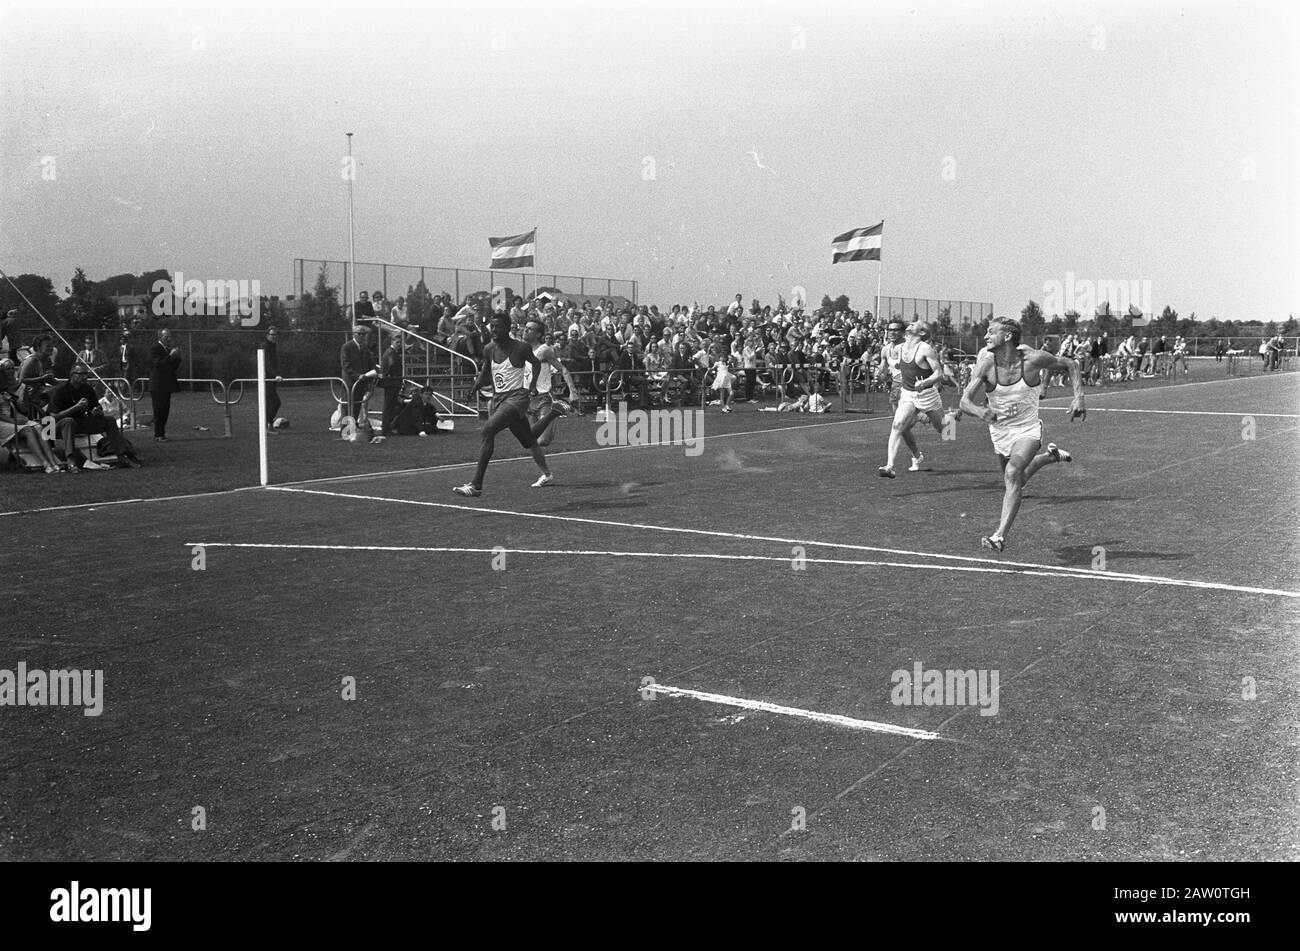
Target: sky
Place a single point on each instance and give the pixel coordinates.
(703, 149)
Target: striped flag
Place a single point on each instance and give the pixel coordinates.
(513, 252)
(860, 245)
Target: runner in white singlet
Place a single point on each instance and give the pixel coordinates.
(541, 403)
(1010, 375)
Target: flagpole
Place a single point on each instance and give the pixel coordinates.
(352, 251)
(880, 266)
(535, 284)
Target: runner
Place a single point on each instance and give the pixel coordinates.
(505, 359)
(920, 372)
(540, 406)
(1010, 374)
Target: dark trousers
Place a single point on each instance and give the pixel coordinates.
(272, 402)
(91, 425)
(392, 406)
(751, 377)
(162, 408)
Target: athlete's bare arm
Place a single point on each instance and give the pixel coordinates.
(485, 370)
(1045, 361)
(926, 353)
(531, 359)
(982, 373)
(556, 364)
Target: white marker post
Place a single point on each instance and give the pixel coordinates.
(261, 411)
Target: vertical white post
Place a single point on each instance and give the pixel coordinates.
(352, 252)
(261, 411)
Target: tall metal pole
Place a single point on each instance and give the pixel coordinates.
(352, 250)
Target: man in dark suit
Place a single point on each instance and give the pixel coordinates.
(390, 381)
(357, 367)
(165, 360)
(272, 365)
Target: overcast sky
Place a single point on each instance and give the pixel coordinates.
(1004, 144)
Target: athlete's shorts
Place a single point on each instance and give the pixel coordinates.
(510, 411)
(924, 401)
(540, 405)
(1006, 437)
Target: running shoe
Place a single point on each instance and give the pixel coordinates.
(995, 542)
(1058, 453)
(916, 463)
(542, 481)
(468, 490)
(885, 472)
(561, 407)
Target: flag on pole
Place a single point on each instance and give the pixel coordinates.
(513, 252)
(862, 244)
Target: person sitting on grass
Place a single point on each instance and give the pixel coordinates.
(19, 432)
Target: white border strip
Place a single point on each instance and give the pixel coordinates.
(1064, 571)
(833, 718)
(1179, 412)
(1042, 572)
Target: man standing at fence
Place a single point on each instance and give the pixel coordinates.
(163, 381)
(357, 367)
(272, 367)
(391, 372)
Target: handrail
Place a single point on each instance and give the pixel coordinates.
(452, 373)
(213, 384)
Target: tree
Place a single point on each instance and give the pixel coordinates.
(37, 289)
(944, 320)
(320, 309)
(840, 303)
(86, 307)
(1031, 319)
(419, 304)
(1071, 321)
(1290, 327)
(1055, 325)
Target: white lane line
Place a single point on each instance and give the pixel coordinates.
(609, 522)
(1046, 571)
(570, 452)
(1179, 412)
(1170, 386)
(766, 707)
(161, 498)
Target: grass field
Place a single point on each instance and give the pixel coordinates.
(505, 714)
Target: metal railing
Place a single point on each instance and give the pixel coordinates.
(432, 348)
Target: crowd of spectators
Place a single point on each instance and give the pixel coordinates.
(694, 345)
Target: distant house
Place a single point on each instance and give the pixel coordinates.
(131, 306)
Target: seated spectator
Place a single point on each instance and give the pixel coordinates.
(77, 412)
(36, 375)
(19, 432)
(363, 310)
(398, 314)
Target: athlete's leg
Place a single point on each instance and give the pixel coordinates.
(1014, 468)
(901, 431)
(503, 418)
(1046, 458)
